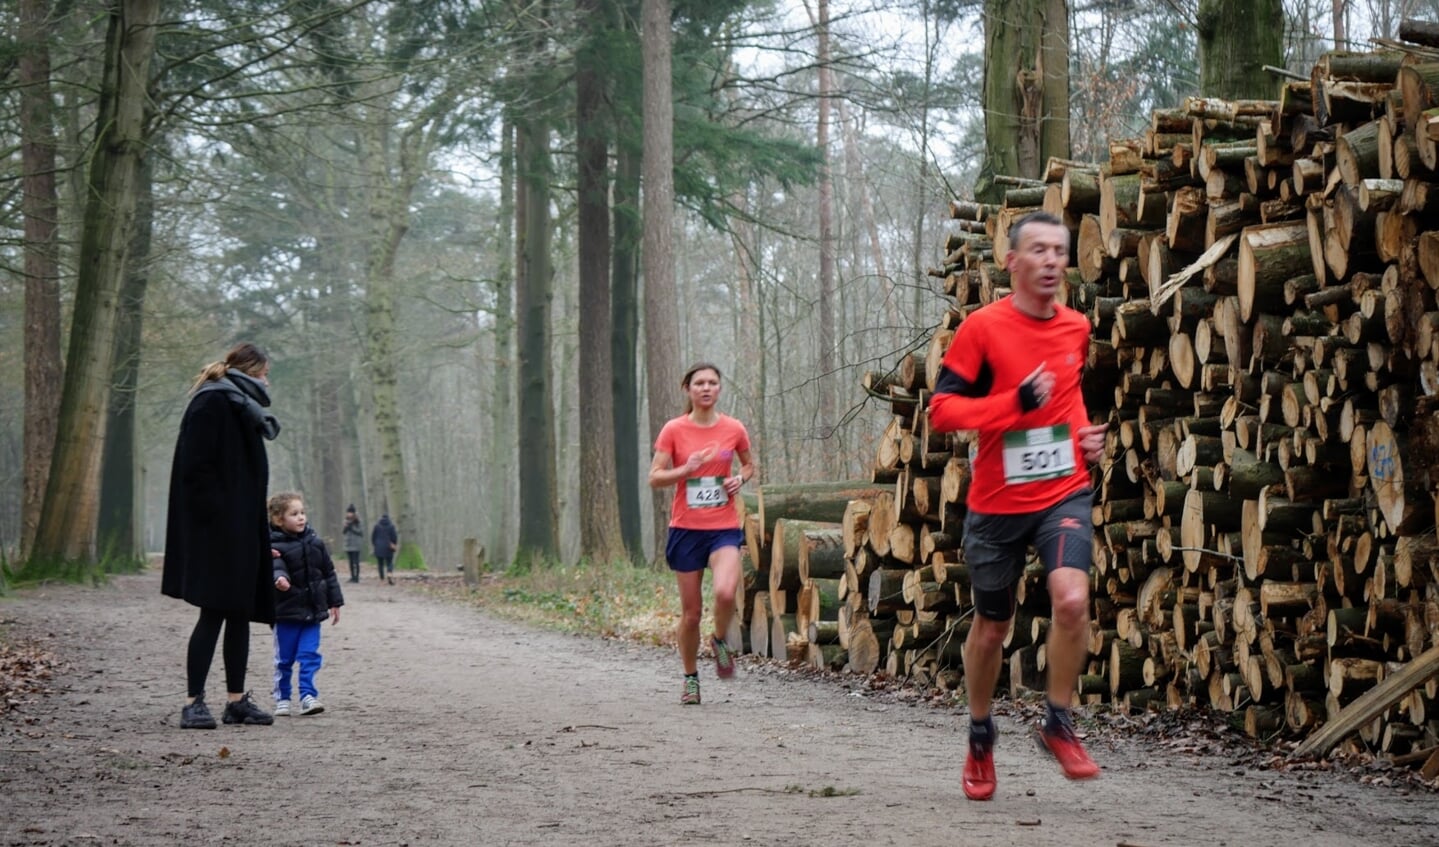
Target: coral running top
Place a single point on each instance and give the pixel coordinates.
(1026, 460)
(700, 501)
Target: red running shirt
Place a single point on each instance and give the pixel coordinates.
(993, 351)
(700, 501)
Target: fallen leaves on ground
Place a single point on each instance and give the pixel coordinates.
(25, 674)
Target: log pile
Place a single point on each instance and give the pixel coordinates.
(1261, 277)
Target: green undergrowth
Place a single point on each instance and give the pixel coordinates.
(618, 600)
(409, 557)
(40, 570)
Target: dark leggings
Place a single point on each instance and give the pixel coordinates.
(354, 564)
(202, 650)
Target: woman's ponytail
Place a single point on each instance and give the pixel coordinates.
(244, 357)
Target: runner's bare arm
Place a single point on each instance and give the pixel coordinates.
(733, 484)
(663, 473)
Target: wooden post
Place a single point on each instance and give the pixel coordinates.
(474, 563)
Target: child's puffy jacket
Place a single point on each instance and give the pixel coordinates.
(314, 588)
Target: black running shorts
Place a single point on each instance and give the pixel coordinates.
(995, 547)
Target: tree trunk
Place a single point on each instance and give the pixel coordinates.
(1270, 255)
(539, 535)
(380, 343)
(504, 436)
(922, 209)
(389, 212)
(854, 168)
(71, 504)
(328, 426)
(1025, 91)
(750, 362)
(625, 332)
(788, 550)
(826, 359)
(1396, 480)
(1419, 32)
(1054, 69)
(600, 538)
(121, 497)
(1232, 58)
(662, 347)
(40, 205)
(1357, 154)
(821, 555)
(815, 501)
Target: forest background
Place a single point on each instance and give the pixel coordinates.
(481, 240)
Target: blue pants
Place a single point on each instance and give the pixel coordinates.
(296, 642)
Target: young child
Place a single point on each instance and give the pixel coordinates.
(306, 592)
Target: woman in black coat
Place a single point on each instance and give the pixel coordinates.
(217, 536)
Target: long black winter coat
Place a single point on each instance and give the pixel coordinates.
(314, 588)
(217, 536)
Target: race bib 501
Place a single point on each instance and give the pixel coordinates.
(1031, 455)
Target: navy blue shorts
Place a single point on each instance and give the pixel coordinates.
(689, 550)
(995, 547)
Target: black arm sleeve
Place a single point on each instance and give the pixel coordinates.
(950, 382)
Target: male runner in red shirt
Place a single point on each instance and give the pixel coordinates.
(1012, 373)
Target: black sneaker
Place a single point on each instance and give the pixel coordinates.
(196, 716)
(245, 711)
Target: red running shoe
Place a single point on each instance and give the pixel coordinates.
(1064, 746)
(979, 773)
(724, 659)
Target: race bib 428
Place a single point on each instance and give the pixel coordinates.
(705, 492)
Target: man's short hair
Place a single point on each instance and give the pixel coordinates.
(1031, 218)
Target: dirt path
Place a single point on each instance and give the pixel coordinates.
(446, 726)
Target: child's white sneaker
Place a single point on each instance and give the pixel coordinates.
(311, 705)
(282, 708)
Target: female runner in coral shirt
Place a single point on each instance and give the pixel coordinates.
(695, 453)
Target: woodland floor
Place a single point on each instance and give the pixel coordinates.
(447, 726)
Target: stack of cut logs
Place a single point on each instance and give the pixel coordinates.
(1261, 280)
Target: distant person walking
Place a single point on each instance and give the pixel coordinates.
(385, 538)
(217, 538)
(354, 537)
(696, 453)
